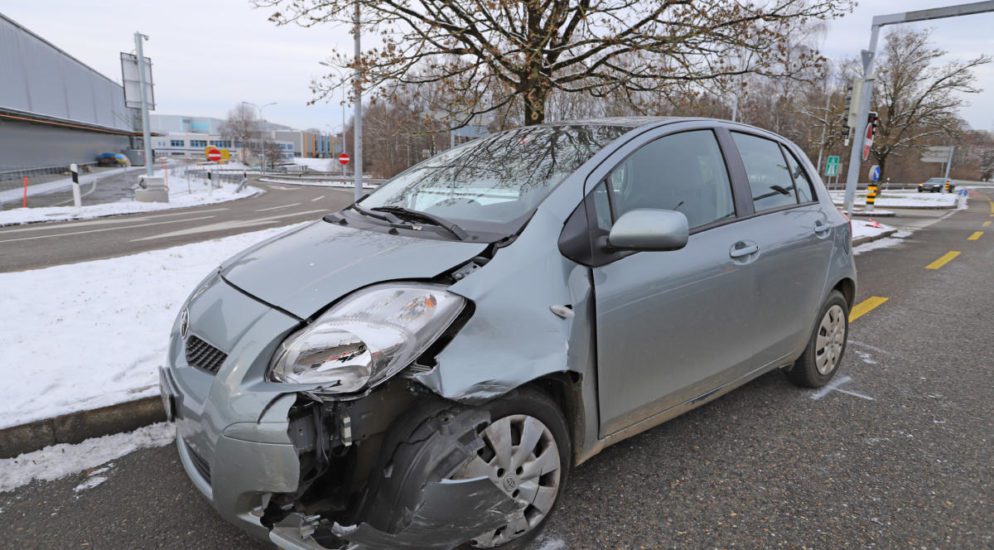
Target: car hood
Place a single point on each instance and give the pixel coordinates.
(304, 270)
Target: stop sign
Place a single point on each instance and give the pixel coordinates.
(214, 155)
(343, 158)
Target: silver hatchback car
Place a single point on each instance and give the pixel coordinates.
(424, 368)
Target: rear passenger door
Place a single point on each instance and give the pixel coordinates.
(792, 232)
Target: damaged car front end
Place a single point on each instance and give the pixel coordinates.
(365, 380)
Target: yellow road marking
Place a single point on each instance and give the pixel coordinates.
(866, 306)
(943, 260)
(976, 236)
(987, 224)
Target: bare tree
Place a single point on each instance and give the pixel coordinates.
(495, 54)
(241, 126)
(916, 98)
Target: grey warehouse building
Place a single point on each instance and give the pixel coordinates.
(55, 110)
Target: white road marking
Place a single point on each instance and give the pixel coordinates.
(316, 199)
(49, 226)
(105, 229)
(222, 226)
(278, 207)
(835, 385)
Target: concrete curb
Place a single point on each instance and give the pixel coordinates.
(871, 238)
(78, 426)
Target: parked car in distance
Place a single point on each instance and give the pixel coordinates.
(424, 368)
(935, 185)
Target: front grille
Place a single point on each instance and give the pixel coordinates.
(203, 356)
(200, 463)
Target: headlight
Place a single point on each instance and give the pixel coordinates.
(368, 337)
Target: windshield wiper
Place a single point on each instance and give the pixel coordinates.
(392, 220)
(404, 212)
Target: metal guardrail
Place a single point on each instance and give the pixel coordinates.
(10, 174)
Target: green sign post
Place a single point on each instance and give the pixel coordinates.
(832, 165)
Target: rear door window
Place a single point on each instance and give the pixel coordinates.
(769, 178)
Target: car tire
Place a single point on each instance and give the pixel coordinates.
(534, 404)
(824, 350)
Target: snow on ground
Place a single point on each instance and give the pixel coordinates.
(320, 165)
(183, 192)
(903, 199)
(887, 242)
(86, 335)
(318, 183)
(868, 228)
(58, 461)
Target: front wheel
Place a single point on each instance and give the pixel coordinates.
(527, 454)
(821, 358)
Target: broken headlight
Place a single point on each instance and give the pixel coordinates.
(367, 338)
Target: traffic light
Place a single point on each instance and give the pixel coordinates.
(873, 121)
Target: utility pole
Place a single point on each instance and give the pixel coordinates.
(824, 130)
(146, 135)
(855, 155)
(344, 142)
(357, 84)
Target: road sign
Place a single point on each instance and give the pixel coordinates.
(875, 172)
(343, 159)
(937, 154)
(832, 165)
(131, 77)
(213, 154)
(868, 141)
(225, 155)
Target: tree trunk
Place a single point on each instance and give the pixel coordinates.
(535, 97)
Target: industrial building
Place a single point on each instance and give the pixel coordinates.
(186, 136)
(54, 109)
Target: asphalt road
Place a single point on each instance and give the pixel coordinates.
(897, 452)
(42, 245)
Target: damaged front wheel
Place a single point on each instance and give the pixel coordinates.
(526, 454)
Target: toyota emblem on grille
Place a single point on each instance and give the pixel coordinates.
(184, 323)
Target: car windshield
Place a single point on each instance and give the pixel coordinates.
(492, 185)
(936, 180)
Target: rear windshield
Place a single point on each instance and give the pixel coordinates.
(493, 184)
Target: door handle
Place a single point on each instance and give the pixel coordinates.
(742, 249)
(822, 228)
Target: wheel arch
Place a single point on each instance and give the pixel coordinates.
(847, 287)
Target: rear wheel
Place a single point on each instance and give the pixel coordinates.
(526, 454)
(821, 358)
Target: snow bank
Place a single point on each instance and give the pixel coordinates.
(903, 199)
(320, 165)
(869, 228)
(58, 461)
(86, 335)
(183, 193)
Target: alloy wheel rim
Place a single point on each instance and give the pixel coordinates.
(521, 458)
(830, 339)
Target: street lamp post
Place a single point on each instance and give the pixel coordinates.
(357, 83)
(855, 155)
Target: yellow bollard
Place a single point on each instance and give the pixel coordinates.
(871, 196)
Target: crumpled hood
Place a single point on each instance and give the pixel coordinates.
(302, 271)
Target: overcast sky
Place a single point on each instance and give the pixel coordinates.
(208, 56)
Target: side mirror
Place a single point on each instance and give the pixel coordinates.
(649, 229)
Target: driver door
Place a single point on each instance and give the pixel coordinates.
(672, 326)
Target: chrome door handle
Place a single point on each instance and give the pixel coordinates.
(822, 229)
(742, 249)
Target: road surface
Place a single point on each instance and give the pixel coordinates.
(42, 245)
